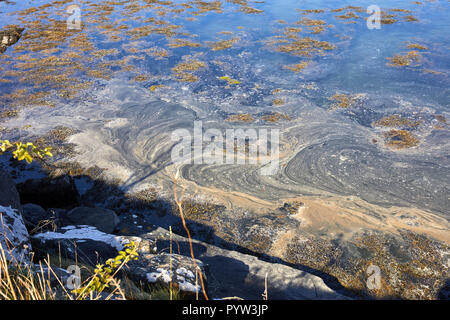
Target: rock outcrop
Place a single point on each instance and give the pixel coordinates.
(33, 214)
(9, 197)
(86, 236)
(14, 238)
(226, 273)
(237, 274)
(85, 244)
(103, 219)
(165, 268)
(89, 246)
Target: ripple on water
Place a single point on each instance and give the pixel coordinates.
(347, 167)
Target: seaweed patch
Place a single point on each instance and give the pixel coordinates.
(400, 139)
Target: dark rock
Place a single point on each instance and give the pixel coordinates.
(48, 193)
(103, 219)
(54, 275)
(401, 251)
(8, 192)
(32, 214)
(85, 252)
(56, 212)
(133, 225)
(444, 292)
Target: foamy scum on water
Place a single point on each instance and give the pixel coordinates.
(321, 153)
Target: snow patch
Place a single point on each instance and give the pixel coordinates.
(85, 233)
(14, 235)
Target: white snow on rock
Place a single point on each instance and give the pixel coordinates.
(167, 276)
(14, 238)
(185, 272)
(166, 268)
(85, 233)
(160, 274)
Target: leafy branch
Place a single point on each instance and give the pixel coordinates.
(24, 151)
(104, 274)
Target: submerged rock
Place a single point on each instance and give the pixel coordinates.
(9, 36)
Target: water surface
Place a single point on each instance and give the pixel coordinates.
(355, 123)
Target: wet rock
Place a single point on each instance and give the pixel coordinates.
(412, 266)
(400, 251)
(9, 36)
(103, 219)
(49, 193)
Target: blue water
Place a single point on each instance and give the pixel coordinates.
(357, 65)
